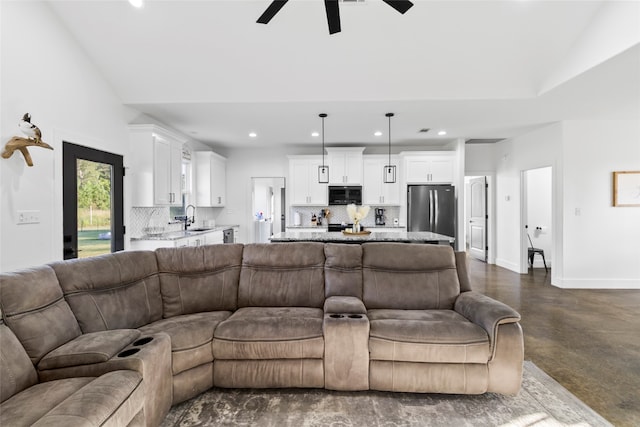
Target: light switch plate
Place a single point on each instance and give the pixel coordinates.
(28, 217)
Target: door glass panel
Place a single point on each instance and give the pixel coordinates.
(94, 207)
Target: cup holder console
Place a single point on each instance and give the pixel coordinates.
(128, 352)
(143, 341)
(342, 316)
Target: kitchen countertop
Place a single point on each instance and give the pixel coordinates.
(181, 234)
(339, 237)
(325, 226)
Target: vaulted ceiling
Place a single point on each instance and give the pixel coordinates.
(477, 69)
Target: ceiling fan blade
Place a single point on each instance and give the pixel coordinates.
(400, 5)
(333, 15)
(271, 11)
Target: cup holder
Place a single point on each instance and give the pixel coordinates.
(355, 316)
(336, 316)
(142, 341)
(129, 352)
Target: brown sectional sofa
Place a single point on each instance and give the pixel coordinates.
(124, 336)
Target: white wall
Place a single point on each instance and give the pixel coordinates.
(601, 242)
(242, 165)
(539, 212)
(45, 73)
(536, 149)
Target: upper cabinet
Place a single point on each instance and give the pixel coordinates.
(156, 166)
(304, 188)
(345, 165)
(436, 168)
(375, 191)
(211, 181)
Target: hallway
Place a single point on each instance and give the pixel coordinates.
(587, 340)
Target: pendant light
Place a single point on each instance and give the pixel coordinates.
(323, 170)
(389, 173)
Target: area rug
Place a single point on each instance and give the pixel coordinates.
(541, 402)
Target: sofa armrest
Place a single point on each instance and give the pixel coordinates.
(94, 347)
(486, 313)
(342, 304)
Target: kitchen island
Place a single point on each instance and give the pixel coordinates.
(382, 236)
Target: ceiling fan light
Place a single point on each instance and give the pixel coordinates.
(136, 3)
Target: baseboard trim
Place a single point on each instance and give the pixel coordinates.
(508, 265)
(598, 283)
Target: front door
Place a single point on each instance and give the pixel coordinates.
(478, 218)
(92, 182)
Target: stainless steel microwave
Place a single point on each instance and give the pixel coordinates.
(345, 194)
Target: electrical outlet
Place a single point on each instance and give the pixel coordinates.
(28, 217)
(229, 212)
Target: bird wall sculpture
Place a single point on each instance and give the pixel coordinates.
(33, 139)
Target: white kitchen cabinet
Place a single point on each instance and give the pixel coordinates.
(156, 166)
(211, 179)
(345, 165)
(213, 238)
(305, 190)
(429, 169)
(375, 191)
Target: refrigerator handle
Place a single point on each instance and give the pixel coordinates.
(409, 210)
(431, 210)
(435, 208)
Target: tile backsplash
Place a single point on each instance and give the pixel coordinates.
(162, 216)
(339, 215)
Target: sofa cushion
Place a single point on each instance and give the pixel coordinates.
(282, 275)
(270, 333)
(39, 399)
(16, 370)
(409, 277)
(112, 399)
(432, 336)
(94, 347)
(199, 279)
(191, 336)
(343, 270)
(113, 291)
(35, 310)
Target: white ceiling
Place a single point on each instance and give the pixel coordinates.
(479, 69)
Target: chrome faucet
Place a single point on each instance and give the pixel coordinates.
(188, 220)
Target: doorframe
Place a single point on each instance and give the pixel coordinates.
(524, 240)
(71, 152)
(491, 211)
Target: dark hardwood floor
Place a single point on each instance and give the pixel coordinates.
(587, 340)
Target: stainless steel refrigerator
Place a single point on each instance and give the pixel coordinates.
(432, 208)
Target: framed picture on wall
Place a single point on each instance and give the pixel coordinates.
(626, 188)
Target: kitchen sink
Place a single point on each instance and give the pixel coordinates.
(200, 229)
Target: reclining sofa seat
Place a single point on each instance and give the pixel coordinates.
(31, 302)
(427, 334)
(275, 337)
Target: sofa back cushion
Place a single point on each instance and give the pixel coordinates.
(35, 310)
(199, 279)
(16, 370)
(282, 275)
(409, 276)
(112, 291)
(343, 270)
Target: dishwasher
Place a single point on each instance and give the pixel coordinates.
(227, 235)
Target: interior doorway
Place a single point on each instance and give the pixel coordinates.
(537, 218)
(92, 201)
(477, 218)
(268, 207)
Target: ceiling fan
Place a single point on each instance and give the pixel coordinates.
(333, 11)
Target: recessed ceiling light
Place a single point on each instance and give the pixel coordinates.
(442, 132)
(252, 134)
(137, 3)
(315, 134)
(378, 133)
